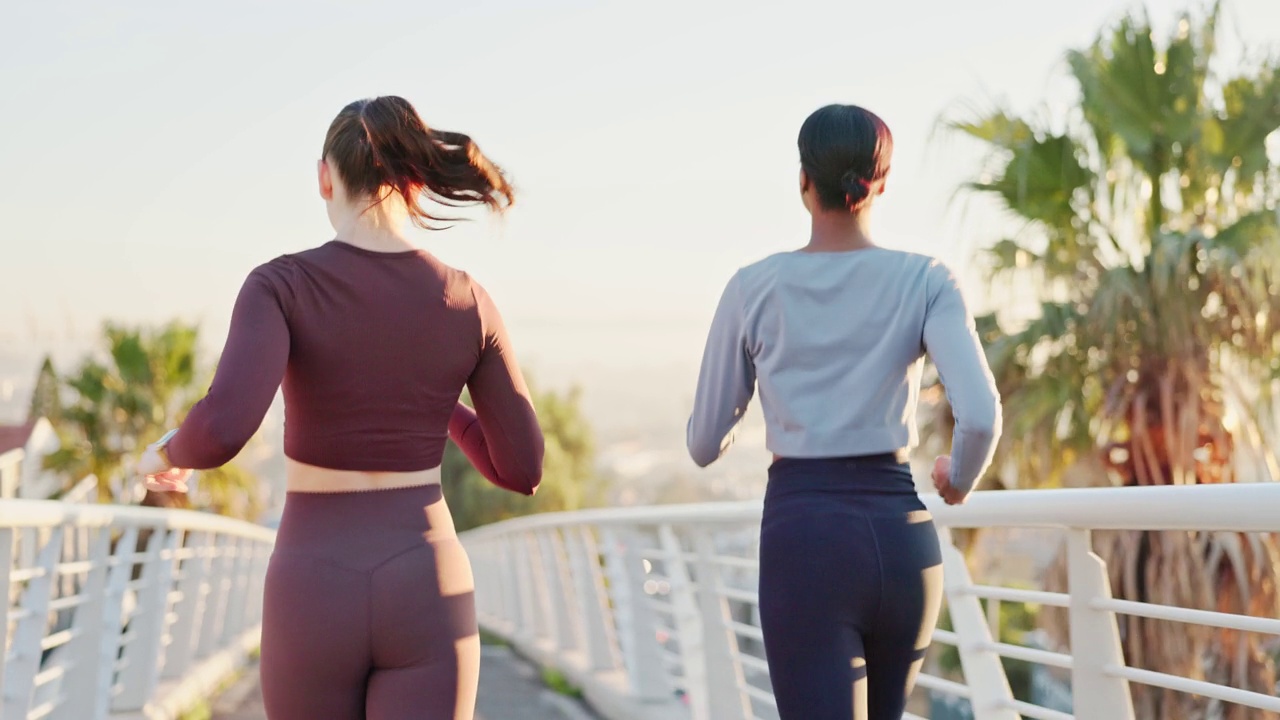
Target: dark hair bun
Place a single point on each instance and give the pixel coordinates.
(856, 188)
(845, 151)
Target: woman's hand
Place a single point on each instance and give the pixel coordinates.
(159, 475)
(942, 481)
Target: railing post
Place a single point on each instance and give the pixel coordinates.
(568, 621)
(118, 576)
(185, 632)
(215, 613)
(593, 601)
(6, 569)
(983, 670)
(648, 677)
(688, 623)
(520, 598)
(1095, 637)
(20, 673)
(546, 623)
(142, 671)
(86, 674)
(720, 644)
(238, 600)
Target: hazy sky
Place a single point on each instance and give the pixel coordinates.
(152, 153)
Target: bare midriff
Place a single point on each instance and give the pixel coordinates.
(303, 478)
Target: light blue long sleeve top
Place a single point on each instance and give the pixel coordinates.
(836, 343)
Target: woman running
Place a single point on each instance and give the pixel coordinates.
(369, 611)
(834, 334)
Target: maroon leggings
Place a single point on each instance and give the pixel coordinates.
(369, 610)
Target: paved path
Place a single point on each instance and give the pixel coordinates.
(509, 690)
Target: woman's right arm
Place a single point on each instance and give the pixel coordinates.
(952, 342)
(501, 436)
(726, 382)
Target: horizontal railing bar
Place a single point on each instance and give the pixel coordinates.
(66, 603)
(756, 693)
(26, 574)
(946, 637)
(734, 561)
(946, 687)
(1238, 507)
(48, 642)
(753, 662)
(52, 513)
(1210, 618)
(743, 630)
(44, 677)
(1031, 655)
(1034, 597)
(746, 596)
(43, 711)
(1247, 698)
(1035, 712)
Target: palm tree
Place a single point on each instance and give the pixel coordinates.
(127, 398)
(1148, 230)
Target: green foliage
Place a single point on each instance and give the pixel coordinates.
(558, 683)
(125, 396)
(1149, 229)
(1149, 234)
(568, 479)
(46, 398)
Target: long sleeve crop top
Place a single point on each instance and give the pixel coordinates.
(835, 342)
(373, 350)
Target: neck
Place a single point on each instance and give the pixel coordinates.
(377, 228)
(839, 232)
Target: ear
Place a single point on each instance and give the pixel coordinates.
(804, 181)
(325, 177)
(884, 181)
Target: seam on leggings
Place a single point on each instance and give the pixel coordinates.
(875, 539)
(397, 554)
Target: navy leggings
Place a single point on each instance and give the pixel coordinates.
(850, 586)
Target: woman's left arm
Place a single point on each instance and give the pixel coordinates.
(248, 376)
(726, 381)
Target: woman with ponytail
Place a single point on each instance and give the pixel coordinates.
(369, 608)
(835, 335)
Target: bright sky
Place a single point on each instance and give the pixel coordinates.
(152, 153)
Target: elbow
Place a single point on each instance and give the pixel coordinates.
(982, 423)
(207, 447)
(526, 478)
(702, 452)
(702, 455)
(528, 483)
(225, 444)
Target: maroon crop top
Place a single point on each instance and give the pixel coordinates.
(374, 350)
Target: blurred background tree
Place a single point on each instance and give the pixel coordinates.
(1149, 245)
(569, 478)
(124, 397)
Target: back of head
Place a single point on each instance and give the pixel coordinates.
(845, 151)
(381, 146)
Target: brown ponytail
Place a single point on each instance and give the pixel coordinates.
(382, 145)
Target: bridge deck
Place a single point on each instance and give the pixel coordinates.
(509, 690)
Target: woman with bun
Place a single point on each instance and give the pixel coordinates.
(834, 335)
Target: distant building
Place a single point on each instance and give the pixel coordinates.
(23, 449)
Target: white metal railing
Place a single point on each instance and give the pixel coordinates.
(118, 611)
(641, 605)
